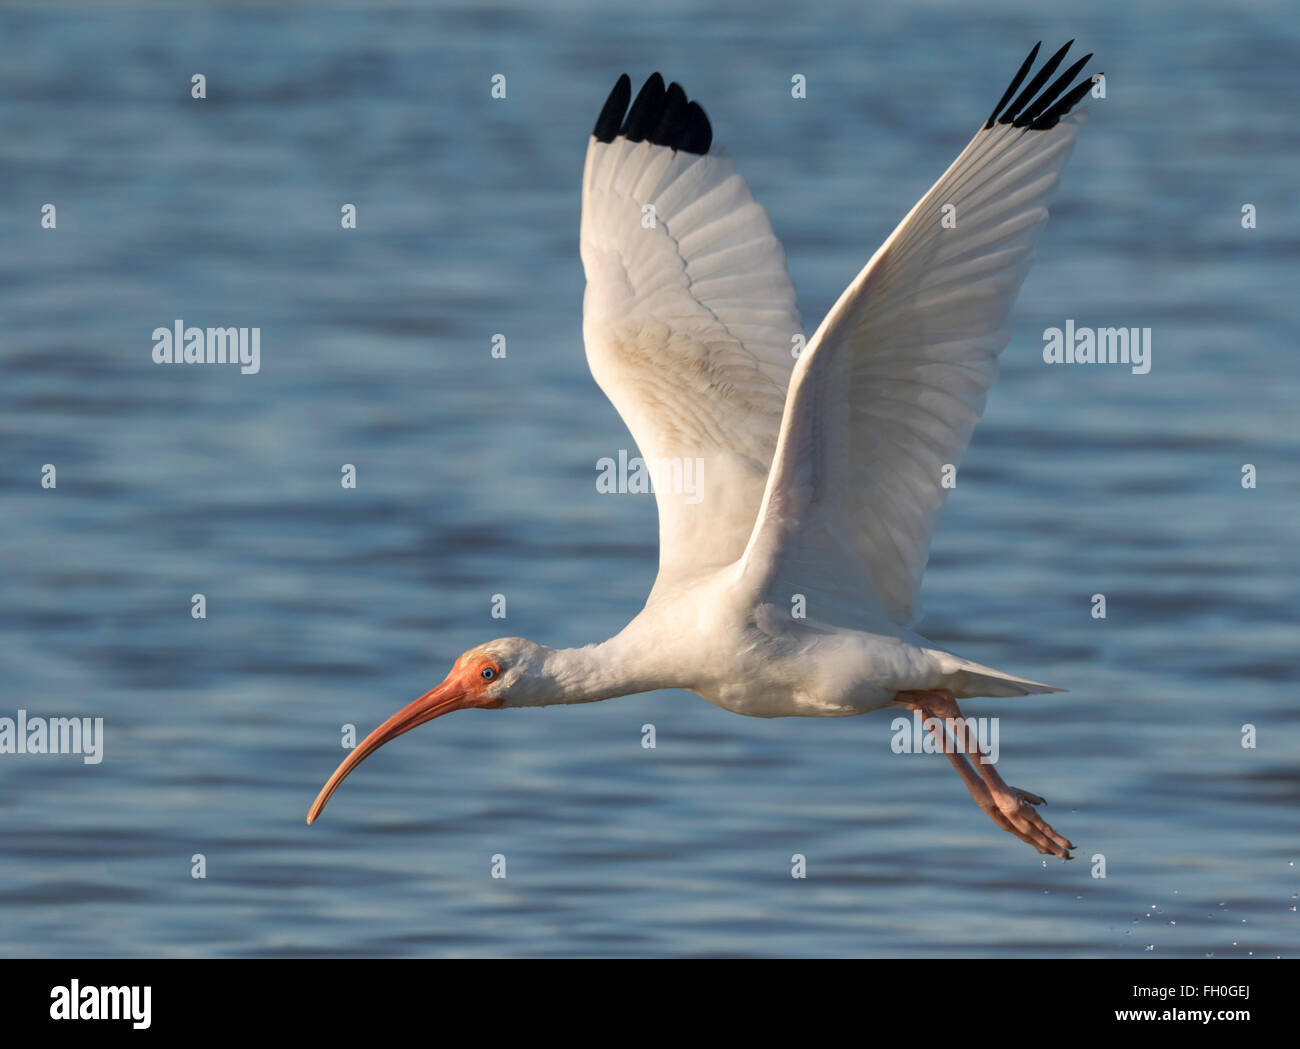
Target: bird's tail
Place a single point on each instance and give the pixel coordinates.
(968, 680)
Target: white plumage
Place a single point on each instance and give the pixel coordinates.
(689, 320)
(820, 472)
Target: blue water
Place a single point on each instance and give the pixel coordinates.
(328, 606)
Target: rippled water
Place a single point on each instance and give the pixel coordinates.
(328, 606)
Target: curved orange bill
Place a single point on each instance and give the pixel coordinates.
(450, 695)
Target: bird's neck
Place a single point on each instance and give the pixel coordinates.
(616, 667)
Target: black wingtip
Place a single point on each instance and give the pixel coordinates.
(659, 115)
(696, 134)
(646, 109)
(611, 115)
(1051, 94)
(1045, 111)
(1015, 83)
(1053, 116)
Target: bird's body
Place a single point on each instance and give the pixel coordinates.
(719, 636)
(798, 480)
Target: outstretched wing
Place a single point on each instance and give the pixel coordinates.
(894, 380)
(689, 318)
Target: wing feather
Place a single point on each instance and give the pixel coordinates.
(895, 378)
(689, 318)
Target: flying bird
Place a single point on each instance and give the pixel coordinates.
(820, 459)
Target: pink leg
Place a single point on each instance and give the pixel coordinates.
(1009, 807)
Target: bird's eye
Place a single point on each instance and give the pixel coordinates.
(489, 673)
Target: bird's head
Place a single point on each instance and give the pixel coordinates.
(502, 673)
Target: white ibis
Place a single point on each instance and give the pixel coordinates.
(789, 569)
